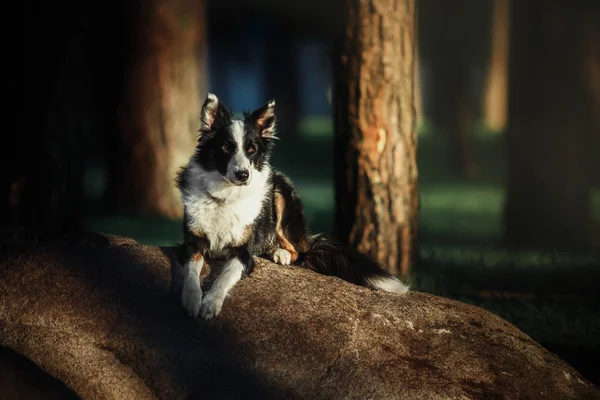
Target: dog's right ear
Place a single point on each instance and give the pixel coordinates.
(263, 120)
(213, 113)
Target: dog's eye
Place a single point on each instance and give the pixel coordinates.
(226, 147)
(251, 149)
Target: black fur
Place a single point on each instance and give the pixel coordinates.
(315, 252)
(318, 253)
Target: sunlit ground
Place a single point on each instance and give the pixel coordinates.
(556, 301)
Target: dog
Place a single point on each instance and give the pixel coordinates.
(237, 207)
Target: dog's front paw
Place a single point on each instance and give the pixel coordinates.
(211, 306)
(191, 299)
(282, 257)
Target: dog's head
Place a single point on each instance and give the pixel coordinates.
(236, 149)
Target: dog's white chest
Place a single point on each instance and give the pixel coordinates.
(223, 222)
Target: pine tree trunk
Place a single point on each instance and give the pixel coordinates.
(452, 43)
(496, 95)
(550, 127)
(417, 78)
(375, 131)
(159, 116)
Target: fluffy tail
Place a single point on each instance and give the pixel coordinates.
(329, 257)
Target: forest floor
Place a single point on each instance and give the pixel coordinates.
(551, 296)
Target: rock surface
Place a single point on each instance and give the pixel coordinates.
(103, 316)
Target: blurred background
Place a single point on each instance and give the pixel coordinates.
(103, 109)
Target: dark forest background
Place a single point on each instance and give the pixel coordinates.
(102, 101)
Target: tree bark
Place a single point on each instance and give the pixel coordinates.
(417, 78)
(161, 103)
(375, 131)
(550, 127)
(103, 315)
(496, 95)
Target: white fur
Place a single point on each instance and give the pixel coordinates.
(393, 285)
(282, 257)
(191, 295)
(237, 131)
(213, 301)
(239, 161)
(221, 210)
(208, 109)
(212, 98)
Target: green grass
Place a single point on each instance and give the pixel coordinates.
(460, 223)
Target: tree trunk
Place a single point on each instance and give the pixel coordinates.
(159, 115)
(453, 42)
(442, 25)
(375, 131)
(550, 127)
(495, 107)
(417, 78)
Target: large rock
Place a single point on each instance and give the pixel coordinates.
(103, 317)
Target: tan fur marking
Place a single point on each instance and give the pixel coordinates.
(304, 245)
(198, 233)
(285, 244)
(197, 257)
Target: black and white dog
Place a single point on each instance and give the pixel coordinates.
(237, 207)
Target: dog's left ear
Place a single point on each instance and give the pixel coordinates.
(213, 113)
(264, 120)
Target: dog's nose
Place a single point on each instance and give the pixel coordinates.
(242, 175)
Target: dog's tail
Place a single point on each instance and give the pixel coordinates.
(330, 257)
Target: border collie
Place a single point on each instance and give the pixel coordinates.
(237, 207)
